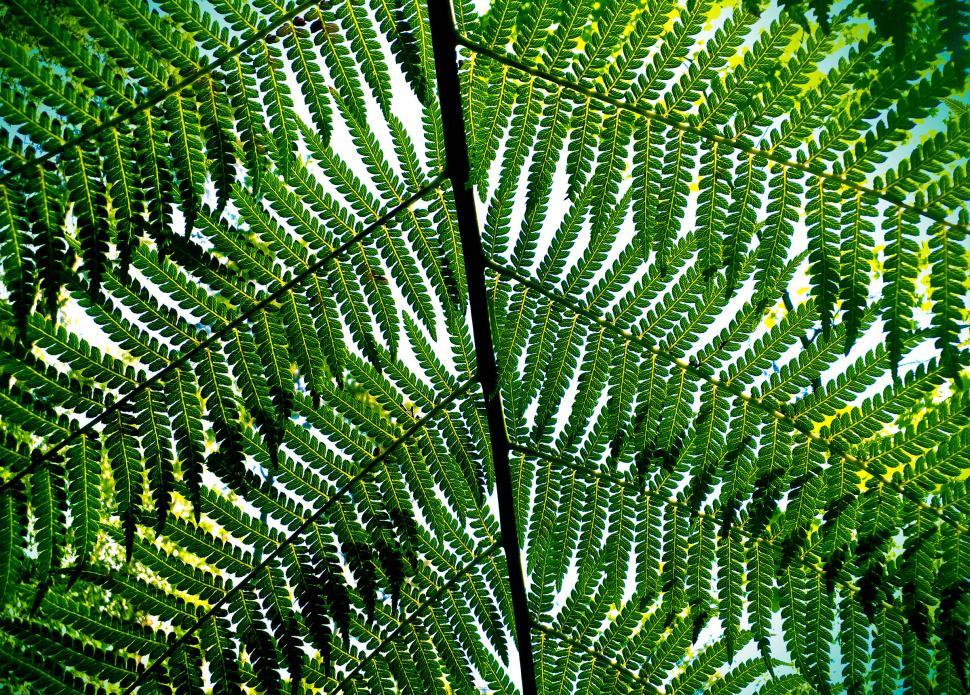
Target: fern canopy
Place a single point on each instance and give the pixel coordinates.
(409, 346)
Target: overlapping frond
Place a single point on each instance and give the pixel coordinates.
(242, 447)
(228, 478)
(709, 359)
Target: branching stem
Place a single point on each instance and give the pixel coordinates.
(444, 39)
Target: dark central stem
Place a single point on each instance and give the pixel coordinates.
(444, 40)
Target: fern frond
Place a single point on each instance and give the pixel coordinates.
(45, 85)
(88, 191)
(949, 280)
(18, 266)
(127, 465)
(715, 305)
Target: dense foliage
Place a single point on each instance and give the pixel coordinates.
(247, 434)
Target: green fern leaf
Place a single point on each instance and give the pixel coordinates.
(127, 467)
(298, 48)
(949, 279)
(736, 482)
(185, 145)
(83, 471)
(822, 218)
(88, 192)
